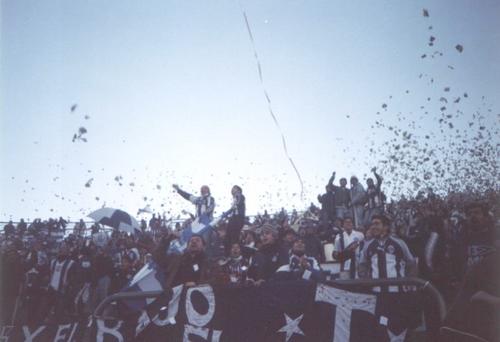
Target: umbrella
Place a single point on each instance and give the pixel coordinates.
(115, 218)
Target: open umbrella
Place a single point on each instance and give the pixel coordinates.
(115, 218)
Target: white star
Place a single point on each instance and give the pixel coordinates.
(292, 327)
(396, 338)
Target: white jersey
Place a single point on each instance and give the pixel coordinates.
(343, 240)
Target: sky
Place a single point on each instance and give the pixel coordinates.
(169, 92)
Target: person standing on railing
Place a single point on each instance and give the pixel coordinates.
(375, 197)
(327, 201)
(342, 198)
(236, 216)
(205, 204)
(358, 198)
(386, 256)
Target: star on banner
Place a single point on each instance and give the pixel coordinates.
(292, 327)
(396, 338)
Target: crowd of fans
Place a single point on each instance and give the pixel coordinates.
(52, 274)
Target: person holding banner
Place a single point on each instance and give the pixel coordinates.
(270, 256)
(300, 266)
(190, 268)
(205, 204)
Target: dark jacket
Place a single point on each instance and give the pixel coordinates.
(267, 260)
(314, 247)
(327, 201)
(184, 267)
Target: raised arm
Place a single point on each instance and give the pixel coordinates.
(186, 195)
(411, 269)
(160, 253)
(378, 178)
(332, 178)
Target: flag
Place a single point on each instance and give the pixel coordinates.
(149, 278)
(288, 311)
(202, 225)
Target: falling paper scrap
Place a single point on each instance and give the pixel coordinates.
(459, 48)
(79, 135)
(73, 107)
(89, 183)
(425, 12)
(146, 210)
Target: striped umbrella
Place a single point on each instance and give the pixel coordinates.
(115, 218)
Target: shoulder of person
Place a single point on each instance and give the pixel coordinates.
(284, 268)
(397, 240)
(359, 234)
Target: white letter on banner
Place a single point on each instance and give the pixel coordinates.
(60, 335)
(28, 336)
(189, 329)
(142, 322)
(345, 302)
(73, 331)
(194, 317)
(173, 308)
(201, 332)
(5, 332)
(103, 329)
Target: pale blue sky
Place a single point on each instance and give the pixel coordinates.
(173, 94)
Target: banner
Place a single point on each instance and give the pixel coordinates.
(276, 311)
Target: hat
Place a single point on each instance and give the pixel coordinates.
(269, 227)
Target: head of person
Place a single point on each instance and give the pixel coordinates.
(249, 236)
(368, 232)
(380, 226)
(348, 225)
(477, 216)
(290, 236)
(354, 180)
(328, 188)
(222, 230)
(63, 251)
(343, 182)
(370, 183)
(337, 222)
(205, 190)
(196, 245)
(268, 234)
(236, 190)
(299, 247)
(235, 251)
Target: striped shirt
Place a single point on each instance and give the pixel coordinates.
(59, 274)
(387, 257)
